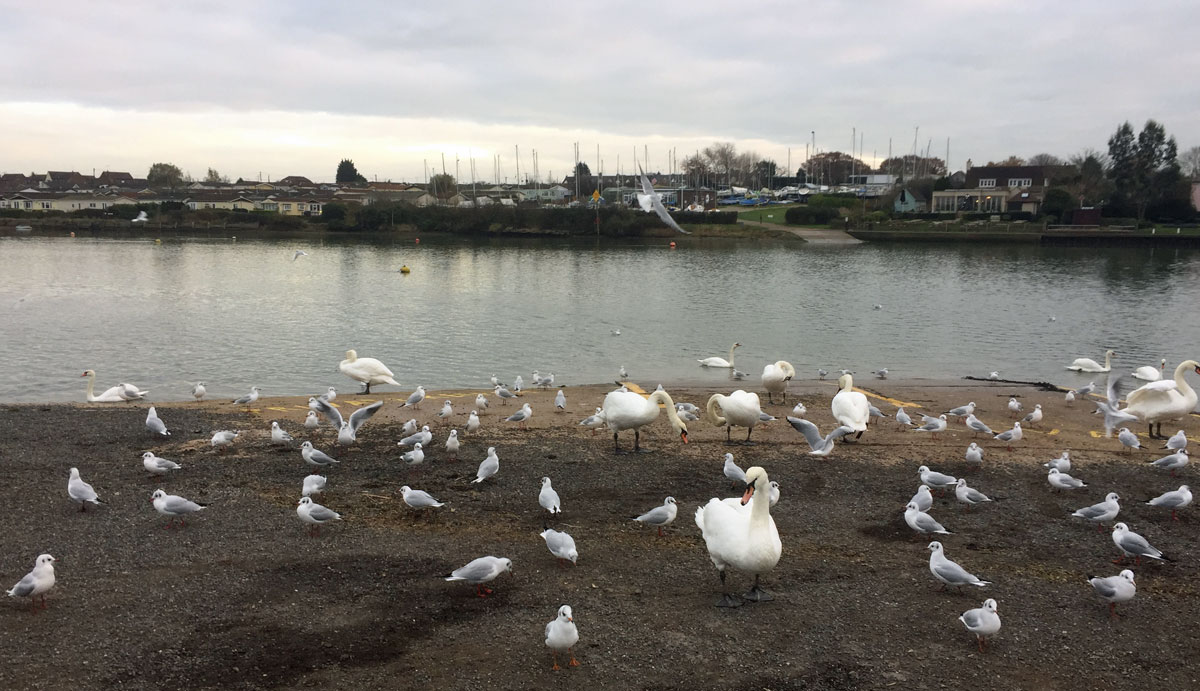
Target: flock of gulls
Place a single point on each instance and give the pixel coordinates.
(739, 532)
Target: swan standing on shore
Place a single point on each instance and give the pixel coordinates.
(850, 407)
(775, 378)
(738, 409)
(1148, 373)
(627, 410)
(720, 362)
(1164, 401)
(366, 370)
(741, 537)
(1084, 364)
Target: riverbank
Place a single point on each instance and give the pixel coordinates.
(242, 598)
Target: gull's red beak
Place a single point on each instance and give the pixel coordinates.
(749, 493)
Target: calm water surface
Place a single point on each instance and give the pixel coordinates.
(242, 313)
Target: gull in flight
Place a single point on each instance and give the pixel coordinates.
(651, 197)
(820, 446)
(298, 254)
(348, 431)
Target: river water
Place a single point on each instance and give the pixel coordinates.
(237, 313)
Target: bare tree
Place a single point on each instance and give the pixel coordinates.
(1189, 163)
(720, 157)
(1045, 160)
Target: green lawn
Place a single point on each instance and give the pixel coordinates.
(768, 214)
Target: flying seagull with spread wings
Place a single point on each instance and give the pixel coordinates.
(656, 203)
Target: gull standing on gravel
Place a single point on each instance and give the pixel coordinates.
(969, 496)
(248, 398)
(518, 384)
(1034, 417)
(315, 515)
(409, 427)
(1084, 391)
(660, 516)
(561, 635)
(1172, 462)
(1102, 512)
(922, 522)
(799, 410)
(1069, 397)
(974, 454)
(81, 492)
(732, 471)
(982, 621)
(329, 395)
(818, 445)
(223, 438)
(1133, 545)
(1114, 589)
(198, 391)
(452, 445)
(1177, 442)
(902, 417)
(548, 498)
(279, 435)
(1010, 436)
(311, 421)
(949, 572)
(423, 437)
(684, 414)
(415, 398)
(1015, 407)
(473, 423)
(923, 499)
(933, 425)
(977, 426)
(315, 456)
(521, 416)
(156, 465)
(348, 431)
(560, 400)
(821, 374)
(935, 479)
(481, 402)
(962, 410)
(489, 467)
(1062, 463)
(446, 411)
(1129, 440)
(173, 506)
(480, 571)
(313, 484)
(414, 457)
(419, 499)
(495, 381)
(155, 424)
(1173, 500)
(594, 422)
(504, 394)
(561, 545)
(1060, 480)
(37, 582)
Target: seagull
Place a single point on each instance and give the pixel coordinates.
(1177, 442)
(656, 202)
(881, 373)
(489, 467)
(623, 374)
(561, 635)
(414, 457)
(473, 423)
(1173, 500)
(923, 499)
(155, 423)
(732, 471)
(962, 410)
(982, 621)
(452, 445)
(495, 381)
(504, 394)
(969, 496)
(1110, 408)
(130, 392)
(1173, 462)
(141, 218)
(298, 254)
(1015, 407)
(1010, 436)
(845, 371)
(974, 454)
(481, 402)
(877, 306)
(1033, 417)
(198, 391)
(314, 456)
(419, 499)
(327, 410)
(799, 411)
(1114, 589)
(872, 411)
(561, 545)
(935, 479)
(994, 376)
(773, 494)
(1069, 397)
(446, 411)
(315, 515)
(37, 582)
(248, 398)
(518, 384)
(1085, 390)
(615, 332)
(81, 492)
(1104, 511)
(422, 437)
(736, 374)
(1133, 545)
(922, 522)
(660, 516)
(329, 395)
(933, 425)
(279, 435)
(560, 400)
(1060, 480)
(976, 425)
(1062, 463)
(156, 465)
(948, 572)
(541, 382)
(821, 374)
(223, 438)
(415, 398)
(173, 506)
(313, 484)
(311, 421)
(1129, 440)
(480, 571)
(548, 498)
(820, 446)
(409, 427)
(348, 431)
(594, 422)
(521, 416)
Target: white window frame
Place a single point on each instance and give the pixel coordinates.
(1020, 182)
(987, 182)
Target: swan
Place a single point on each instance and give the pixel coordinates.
(850, 407)
(741, 537)
(1148, 373)
(738, 409)
(720, 362)
(1164, 401)
(367, 370)
(775, 378)
(120, 392)
(628, 410)
(1084, 364)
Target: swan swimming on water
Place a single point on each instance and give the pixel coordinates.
(720, 362)
(1084, 364)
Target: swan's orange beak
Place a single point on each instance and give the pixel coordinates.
(84, 374)
(683, 435)
(749, 493)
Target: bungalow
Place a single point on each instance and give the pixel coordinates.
(57, 201)
(220, 200)
(289, 205)
(1000, 189)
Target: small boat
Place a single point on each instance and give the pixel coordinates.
(24, 229)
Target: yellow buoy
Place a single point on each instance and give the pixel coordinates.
(404, 269)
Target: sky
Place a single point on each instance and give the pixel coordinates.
(271, 88)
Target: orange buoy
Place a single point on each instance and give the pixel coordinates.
(418, 241)
(672, 245)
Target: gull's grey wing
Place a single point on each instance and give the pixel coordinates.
(972, 618)
(417, 497)
(927, 523)
(1093, 511)
(1104, 587)
(330, 413)
(518, 416)
(358, 417)
(322, 457)
(478, 570)
(1110, 394)
(655, 516)
(976, 495)
(1005, 436)
(320, 513)
(81, 491)
(1136, 544)
(659, 209)
(164, 464)
(811, 434)
(157, 426)
(24, 586)
(839, 433)
(953, 573)
(176, 504)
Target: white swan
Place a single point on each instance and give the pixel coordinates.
(720, 362)
(114, 394)
(1084, 364)
(738, 409)
(367, 370)
(775, 378)
(741, 537)
(627, 410)
(850, 407)
(1148, 373)
(1164, 401)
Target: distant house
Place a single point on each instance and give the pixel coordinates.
(909, 202)
(59, 201)
(1000, 189)
(112, 178)
(295, 181)
(294, 205)
(215, 199)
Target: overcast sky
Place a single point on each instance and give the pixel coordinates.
(290, 88)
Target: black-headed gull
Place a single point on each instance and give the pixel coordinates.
(446, 411)
(935, 479)
(223, 438)
(473, 423)
(660, 516)
(1133, 545)
(1176, 442)
(315, 515)
(974, 454)
(818, 445)
(1062, 463)
(1009, 436)
(731, 470)
(280, 436)
(923, 499)
(1114, 589)
(962, 410)
(1060, 480)
(561, 545)
(198, 391)
(248, 398)
(156, 465)
(313, 484)
(414, 457)
(933, 425)
(1129, 440)
(410, 427)
(1173, 500)
(419, 499)
(1101, 513)
(949, 572)
(315, 456)
(37, 582)
(1172, 462)
(327, 411)
(1015, 407)
(504, 394)
(969, 496)
(982, 621)
(348, 431)
(977, 426)
(155, 423)
(922, 522)
(561, 636)
(329, 395)
(489, 467)
(521, 416)
(560, 401)
(481, 402)
(311, 421)
(173, 506)
(480, 571)
(452, 445)
(548, 498)
(902, 418)
(81, 492)
(422, 437)
(1034, 417)
(415, 398)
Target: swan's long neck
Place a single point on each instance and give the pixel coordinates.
(760, 503)
(1181, 381)
(713, 403)
(788, 370)
(665, 398)
(731, 349)
(91, 380)
(1107, 360)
